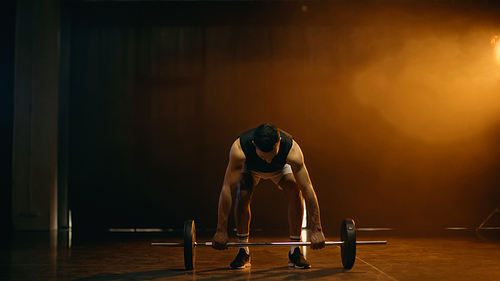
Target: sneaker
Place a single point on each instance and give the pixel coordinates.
(297, 259)
(242, 260)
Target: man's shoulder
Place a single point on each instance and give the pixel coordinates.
(287, 140)
(245, 140)
(236, 145)
(295, 155)
(236, 150)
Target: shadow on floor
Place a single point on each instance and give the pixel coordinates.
(284, 273)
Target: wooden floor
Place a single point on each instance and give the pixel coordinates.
(57, 256)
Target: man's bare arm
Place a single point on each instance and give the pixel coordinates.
(233, 172)
(296, 160)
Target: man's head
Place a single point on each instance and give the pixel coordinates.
(265, 137)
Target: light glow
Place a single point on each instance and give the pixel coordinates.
(304, 217)
(495, 41)
(70, 221)
(437, 89)
(303, 238)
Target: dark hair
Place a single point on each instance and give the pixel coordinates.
(266, 136)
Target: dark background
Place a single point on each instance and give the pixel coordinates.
(394, 103)
(7, 35)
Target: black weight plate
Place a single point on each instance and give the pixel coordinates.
(348, 249)
(189, 239)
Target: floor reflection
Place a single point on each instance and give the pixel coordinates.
(58, 256)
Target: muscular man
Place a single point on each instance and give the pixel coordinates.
(267, 153)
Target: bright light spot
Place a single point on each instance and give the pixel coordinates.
(303, 238)
(304, 217)
(495, 41)
(70, 223)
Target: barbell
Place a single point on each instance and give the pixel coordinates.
(347, 244)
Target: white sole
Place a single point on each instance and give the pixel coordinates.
(247, 265)
(291, 264)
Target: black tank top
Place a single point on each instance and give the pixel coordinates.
(255, 163)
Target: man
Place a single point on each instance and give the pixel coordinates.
(267, 153)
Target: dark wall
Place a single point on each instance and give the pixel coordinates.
(7, 21)
(394, 105)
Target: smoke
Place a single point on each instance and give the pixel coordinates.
(442, 85)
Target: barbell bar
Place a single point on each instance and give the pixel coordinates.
(248, 244)
(347, 244)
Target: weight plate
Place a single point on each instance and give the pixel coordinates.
(189, 240)
(348, 249)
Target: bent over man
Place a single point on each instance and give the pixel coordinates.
(266, 152)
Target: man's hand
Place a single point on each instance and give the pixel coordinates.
(317, 239)
(220, 240)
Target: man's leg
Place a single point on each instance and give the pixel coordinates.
(243, 215)
(295, 207)
(242, 211)
(295, 215)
